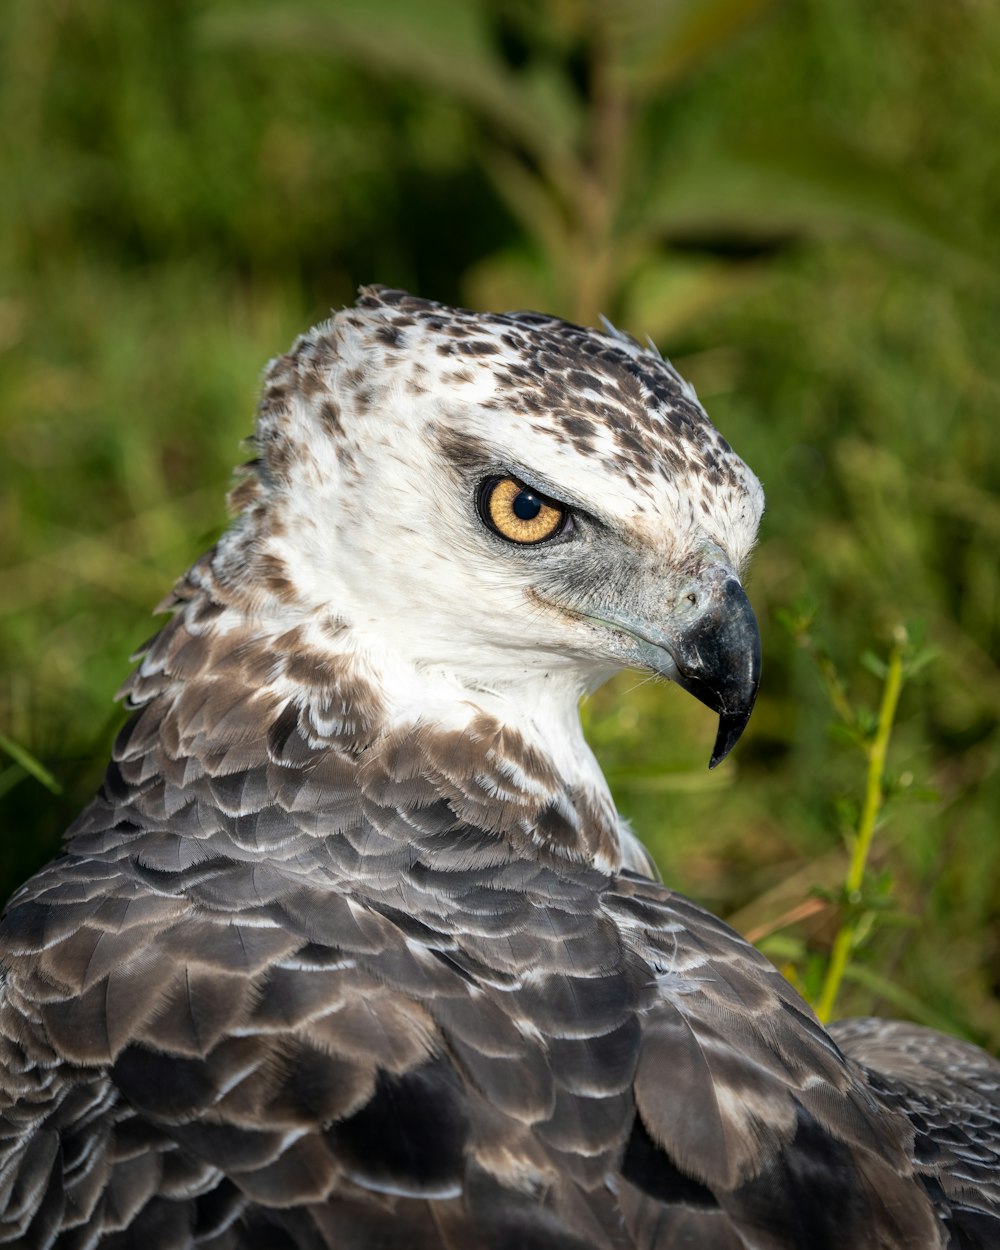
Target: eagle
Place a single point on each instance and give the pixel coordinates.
(352, 949)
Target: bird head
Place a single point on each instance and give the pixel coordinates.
(504, 505)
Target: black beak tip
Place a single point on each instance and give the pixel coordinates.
(730, 731)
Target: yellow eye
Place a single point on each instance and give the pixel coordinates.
(519, 513)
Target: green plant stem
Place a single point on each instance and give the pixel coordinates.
(27, 761)
(876, 755)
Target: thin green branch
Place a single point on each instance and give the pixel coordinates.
(24, 759)
(876, 753)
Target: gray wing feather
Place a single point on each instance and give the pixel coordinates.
(949, 1091)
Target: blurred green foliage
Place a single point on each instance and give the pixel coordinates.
(797, 199)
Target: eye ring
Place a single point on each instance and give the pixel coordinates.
(520, 514)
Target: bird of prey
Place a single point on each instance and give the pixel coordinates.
(352, 949)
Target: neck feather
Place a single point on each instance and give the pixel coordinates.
(275, 719)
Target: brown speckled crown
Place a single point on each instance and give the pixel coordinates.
(602, 393)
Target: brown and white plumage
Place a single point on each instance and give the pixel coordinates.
(352, 949)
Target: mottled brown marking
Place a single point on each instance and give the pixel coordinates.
(478, 347)
(329, 415)
(246, 492)
(313, 381)
(463, 451)
(390, 335)
(279, 456)
(274, 574)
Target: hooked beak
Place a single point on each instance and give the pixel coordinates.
(710, 647)
(717, 660)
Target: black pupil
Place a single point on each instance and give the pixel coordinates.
(527, 505)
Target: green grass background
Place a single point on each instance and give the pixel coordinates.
(798, 200)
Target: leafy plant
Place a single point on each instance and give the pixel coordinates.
(864, 898)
